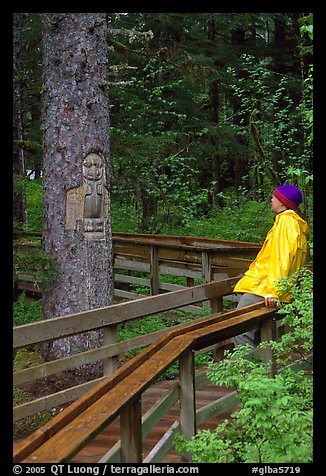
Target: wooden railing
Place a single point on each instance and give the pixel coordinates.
(119, 395)
(196, 259)
(192, 257)
(106, 319)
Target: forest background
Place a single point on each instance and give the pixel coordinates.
(209, 112)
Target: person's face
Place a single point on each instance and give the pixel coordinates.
(276, 205)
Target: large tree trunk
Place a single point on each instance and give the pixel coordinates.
(77, 230)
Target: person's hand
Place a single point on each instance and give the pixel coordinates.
(269, 300)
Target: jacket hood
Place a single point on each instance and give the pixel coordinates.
(301, 222)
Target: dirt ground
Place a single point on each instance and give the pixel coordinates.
(46, 386)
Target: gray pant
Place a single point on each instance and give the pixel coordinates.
(248, 337)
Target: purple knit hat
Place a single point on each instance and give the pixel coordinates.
(289, 195)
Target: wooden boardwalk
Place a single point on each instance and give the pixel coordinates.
(99, 446)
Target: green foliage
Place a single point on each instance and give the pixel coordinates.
(169, 126)
(25, 359)
(306, 49)
(172, 141)
(26, 426)
(274, 422)
(42, 267)
(34, 203)
(25, 312)
(155, 323)
(279, 119)
(239, 219)
(297, 316)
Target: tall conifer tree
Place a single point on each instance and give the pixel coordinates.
(77, 231)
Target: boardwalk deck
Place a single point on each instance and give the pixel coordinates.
(98, 447)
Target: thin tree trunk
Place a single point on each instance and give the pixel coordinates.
(240, 160)
(214, 117)
(19, 192)
(77, 230)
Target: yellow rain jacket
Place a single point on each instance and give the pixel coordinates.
(283, 253)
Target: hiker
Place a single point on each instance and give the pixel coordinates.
(282, 254)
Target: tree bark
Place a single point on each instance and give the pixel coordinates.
(77, 228)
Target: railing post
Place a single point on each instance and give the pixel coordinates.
(267, 333)
(187, 396)
(130, 433)
(190, 281)
(206, 267)
(110, 364)
(154, 270)
(207, 276)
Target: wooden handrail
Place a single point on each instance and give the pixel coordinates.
(105, 318)
(181, 240)
(65, 435)
(58, 327)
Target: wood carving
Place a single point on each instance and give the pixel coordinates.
(89, 202)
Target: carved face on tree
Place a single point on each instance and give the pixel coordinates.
(93, 167)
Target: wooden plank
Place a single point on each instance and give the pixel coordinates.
(206, 268)
(133, 296)
(97, 421)
(87, 357)
(218, 406)
(230, 261)
(184, 253)
(59, 421)
(32, 442)
(59, 365)
(178, 240)
(219, 331)
(120, 263)
(142, 264)
(123, 278)
(83, 358)
(163, 446)
(159, 409)
(128, 294)
(113, 455)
